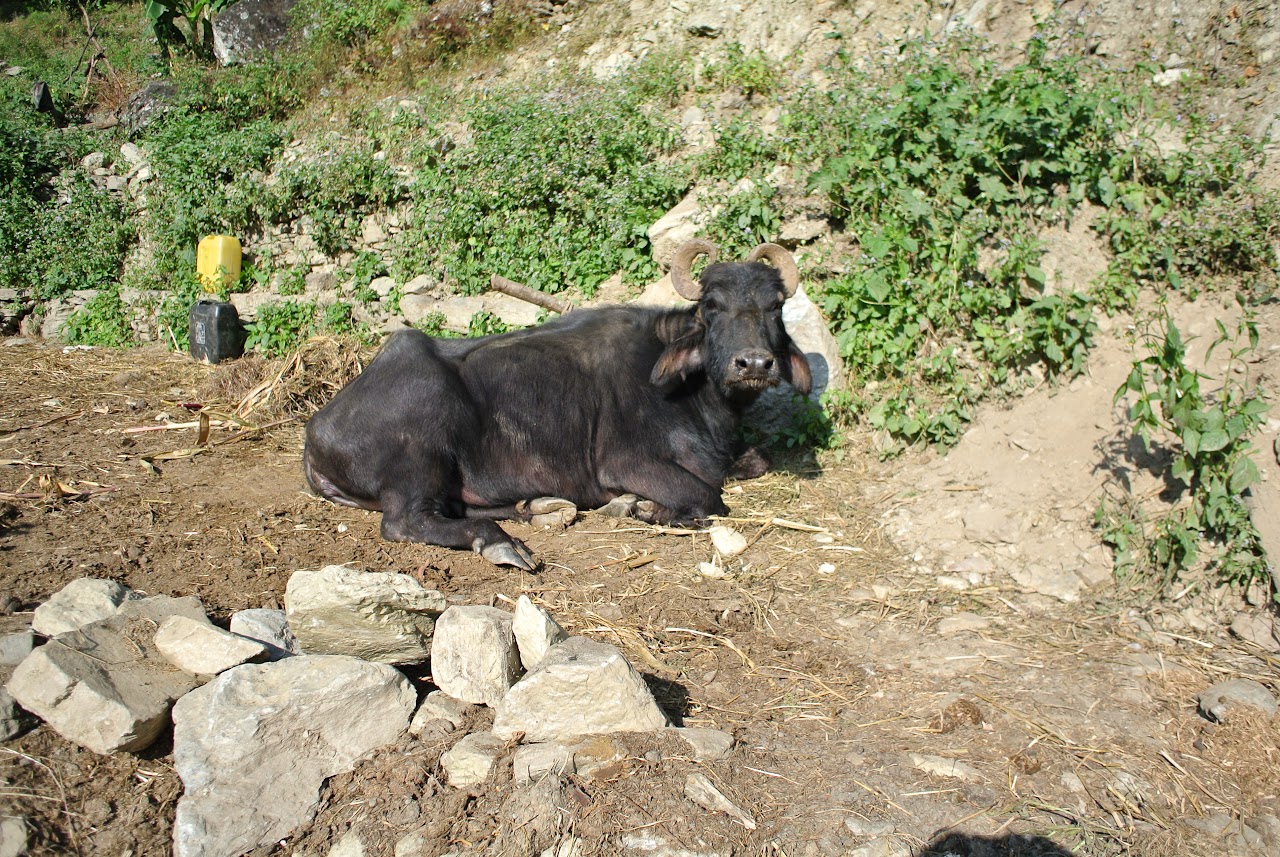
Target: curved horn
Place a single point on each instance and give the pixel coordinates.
(781, 260)
(682, 264)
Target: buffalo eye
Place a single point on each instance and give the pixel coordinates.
(710, 304)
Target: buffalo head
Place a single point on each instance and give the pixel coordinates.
(735, 334)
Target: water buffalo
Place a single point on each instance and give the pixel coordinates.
(632, 407)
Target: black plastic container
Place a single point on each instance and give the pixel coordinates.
(215, 331)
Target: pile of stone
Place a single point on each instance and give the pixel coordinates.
(264, 713)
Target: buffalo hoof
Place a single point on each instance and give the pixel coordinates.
(631, 506)
(512, 553)
(623, 506)
(550, 512)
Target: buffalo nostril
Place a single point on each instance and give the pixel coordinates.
(754, 362)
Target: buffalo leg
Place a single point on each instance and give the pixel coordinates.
(673, 494)
(404, 520)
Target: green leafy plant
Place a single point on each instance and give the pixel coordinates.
(752, 72)
(485, 323)
(1209, 440)
(197, 15)
(103, 321)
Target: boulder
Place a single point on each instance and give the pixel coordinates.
(674, 228)
(246, 29)
(79, 603)
(1215, 702)
(269, 627)
(439, 706)
(471, 760)
(582, 687)
(536, 632)
(382, 617)
(202, 649)
(105, 686)
(254, 746)
(474, 656)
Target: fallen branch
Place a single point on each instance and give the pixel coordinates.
(528, 295)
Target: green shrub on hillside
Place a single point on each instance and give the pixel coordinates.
(557, 190)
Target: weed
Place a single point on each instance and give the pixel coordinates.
(485, 323)
(104, 321)
(1210, 437)
(279, 328)
(751, 72)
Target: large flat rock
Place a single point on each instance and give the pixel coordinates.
(254, 746)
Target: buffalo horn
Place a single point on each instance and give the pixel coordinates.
(781, 260)
(682, 267)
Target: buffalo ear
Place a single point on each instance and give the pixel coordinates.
(799, 374)
(680, 360)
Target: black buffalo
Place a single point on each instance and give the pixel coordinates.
(631, 407)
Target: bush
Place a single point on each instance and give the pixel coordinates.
(557, 191)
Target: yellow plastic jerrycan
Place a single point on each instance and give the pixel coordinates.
(214, 255)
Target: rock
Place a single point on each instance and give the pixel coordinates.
(1268, 827)
(868, 827)
(882, 846)
(12, 718)
(983, 523)
(706, 745)
(13, 836)
(248, 28)
(962, 622)
(1056, 582)
(474, 656)
(943, 767)
(727, 541)
(348, 846)
(704, 27)
(802, 229)
(15, 647)
(439, 706)
(254, 746)
(93, 161)
(675, 228)
(1217, 700)
(419, 285)
(377, 616)
(80, 602)
(536, 632)
(1257, 629)
(384, 286)
(471, 760)
(700, 790)
(582, 687)
(203, 649)
(534, 761)
(105, 686)
(411, 845)
(269, 627)
(132, 155)
(147, 104)
(157, 608)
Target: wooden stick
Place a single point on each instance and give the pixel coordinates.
(533, 296)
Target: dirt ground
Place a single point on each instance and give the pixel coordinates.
(1062, 724)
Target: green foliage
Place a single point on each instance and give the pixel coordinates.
(196, 15)
(346, 22)
(433, 324)
(78, 240)
(556, 190)
(279, 328)
(753, 73)
(209, 172)
(485, 323)
(104, 321)
(1208, 437)
(334, 191)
